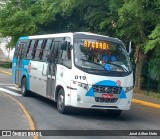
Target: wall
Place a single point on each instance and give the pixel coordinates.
(5, 54)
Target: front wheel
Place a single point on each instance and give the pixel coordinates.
(61, 102)
(114, 113)
(24, 90)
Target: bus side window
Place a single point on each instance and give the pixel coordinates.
(21, 51)
(34, 49)
(55, 53)
(46, 50)
(30, 48)
(38, 50)
(16, 50)
(27, 48)
(66, 57)
(42, 48)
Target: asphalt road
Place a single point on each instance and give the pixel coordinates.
(46, 117)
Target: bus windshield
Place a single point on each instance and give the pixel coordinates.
(101, 55)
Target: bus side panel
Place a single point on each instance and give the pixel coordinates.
(14, 61)
(25, 73)
(38, 77)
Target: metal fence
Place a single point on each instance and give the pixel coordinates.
(150, 80)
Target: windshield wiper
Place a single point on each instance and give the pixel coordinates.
(118, 66)
(92, 62)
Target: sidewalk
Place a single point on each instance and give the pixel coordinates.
(146, 98)
(11, 116)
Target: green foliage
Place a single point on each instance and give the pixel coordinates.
(6, 65)
(18, 18)
(136, 20)
(154, 40)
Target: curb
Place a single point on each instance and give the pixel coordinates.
(30, 121)
(145, 103)
(5, 72)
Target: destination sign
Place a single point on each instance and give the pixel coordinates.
(96, 45)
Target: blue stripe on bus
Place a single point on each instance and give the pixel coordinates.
(14, 61)
(23, 69)
(106, 83)
(25, 63)
(24, 38)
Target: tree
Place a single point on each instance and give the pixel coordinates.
(17, 18)
(153, 45)
(136, 21)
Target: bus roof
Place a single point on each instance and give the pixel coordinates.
(69, 34)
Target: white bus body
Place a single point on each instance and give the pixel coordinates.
(79, 85)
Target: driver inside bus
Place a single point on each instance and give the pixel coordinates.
(108, 57)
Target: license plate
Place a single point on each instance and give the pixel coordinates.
(107, 95)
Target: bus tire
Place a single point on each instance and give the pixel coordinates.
(114, 113)
(24, 90)
(61, 102)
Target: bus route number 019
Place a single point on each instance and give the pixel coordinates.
(80, 77)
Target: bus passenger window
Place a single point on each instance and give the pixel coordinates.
(30, 48)
(57, 53)
(16, 51)
(34, 49)
(42, 49)
(27, 48)
(46, 50)
(38, 50)
(22, 50)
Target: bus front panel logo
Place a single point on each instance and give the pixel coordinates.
(118, 83)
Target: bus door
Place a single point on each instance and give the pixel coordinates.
(50, 80)
(51, 72)
(20, 55)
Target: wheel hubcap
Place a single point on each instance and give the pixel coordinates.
(61, 101)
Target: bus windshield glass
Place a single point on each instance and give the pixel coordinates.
(101, 55)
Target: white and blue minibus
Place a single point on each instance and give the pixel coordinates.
(69, 69)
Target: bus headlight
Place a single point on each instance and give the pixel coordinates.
(83, 85)
(128, 89)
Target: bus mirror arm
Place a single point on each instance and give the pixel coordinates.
(70, 46)
(49, 58)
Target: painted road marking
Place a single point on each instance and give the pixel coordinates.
(5, 84)
(14, 88)
(9, 92)
(5, 72)
(145, 103)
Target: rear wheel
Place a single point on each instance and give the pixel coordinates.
(24, 90)
(61, 102)
(114, 113)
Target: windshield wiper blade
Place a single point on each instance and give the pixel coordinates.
(93, 62)
(118, 66)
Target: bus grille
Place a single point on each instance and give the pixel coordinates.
(106, 100)
(106, 89)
